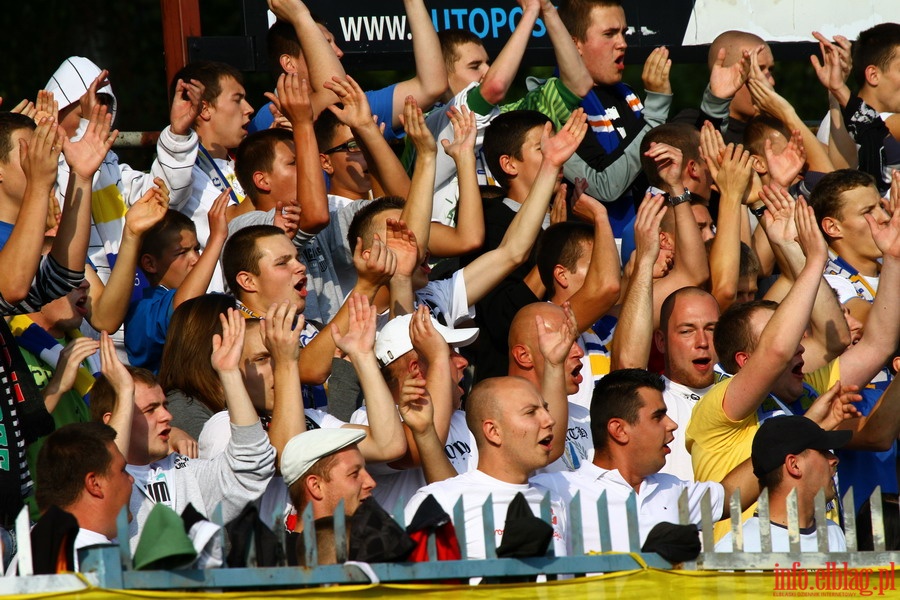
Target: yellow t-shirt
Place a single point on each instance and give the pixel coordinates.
(717, 444)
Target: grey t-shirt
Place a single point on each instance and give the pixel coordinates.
(188, 413)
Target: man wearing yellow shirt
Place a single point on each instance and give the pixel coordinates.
(759, 344)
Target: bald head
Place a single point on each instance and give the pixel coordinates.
(734, 42)
(523, 330)
(485, 402)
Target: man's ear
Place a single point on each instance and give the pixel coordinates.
(896, 363)
(325, 161)
(617, 431)
(522, 356)
(491, 432)
(261, 181)
(206, 110)
(148, 263)
(246, 281)
(509, 167)
(741, 359)
(579, 45)
(832, 228)
(93, 486)
(660, 340)
(873, 75)
(313, 486)
(288, 63)
(759, 164)
(561, 276)
(106, 417)
(414, 367)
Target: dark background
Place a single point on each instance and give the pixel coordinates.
(126, 38)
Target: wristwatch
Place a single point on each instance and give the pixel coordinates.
(758, 210)
(676, 200)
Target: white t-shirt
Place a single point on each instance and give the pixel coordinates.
(579, 442)
(680, 401)
(474, 487)
(395, 485)
(845, 289)
(86, 538)
(781, 541)
(657, 501)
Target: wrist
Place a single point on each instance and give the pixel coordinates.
(684, 196)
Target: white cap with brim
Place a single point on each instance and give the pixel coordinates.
(393, 340)
(305, 449)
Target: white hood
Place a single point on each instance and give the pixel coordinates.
(72, 79)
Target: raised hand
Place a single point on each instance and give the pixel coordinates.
(559, 211)
(712, 147)
(111, 366)
(186, 105)
(646, 227)
(426, 341)
(89, 101)
(415, 406)
(724, 82)
(779, 218)
(555, 344)
(668, 163)
(40, 156)
(811, 239)
(656, 71)
(24, 107)
(70, 360)
(402, 242)
(375, 265)
(887, 234)
(586, 207)
(182, 443)
(149, 209)
(86, 155)
(359, 338)
(46, 106)
(558, 148)
(218, 223)
(287, 218)
(834, 406)
(464, 133)
(787, 164)
(733, 175)
(356, 112)
(835, 66)
(280, 332)
(414, 123)
(227, 348)
(293, 100)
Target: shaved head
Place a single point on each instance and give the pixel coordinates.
(523, 330)
(485, 402)
(734, 42)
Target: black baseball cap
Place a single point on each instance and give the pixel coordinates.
(778, 437)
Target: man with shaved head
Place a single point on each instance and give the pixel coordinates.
(527, 361)
(513, 430)
(735, 43)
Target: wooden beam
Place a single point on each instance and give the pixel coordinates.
(180, 20)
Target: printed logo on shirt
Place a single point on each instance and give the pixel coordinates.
(310, 424)
(181, 461)
(159, 491)
(457, 451)
(576, 433)
(315, 259)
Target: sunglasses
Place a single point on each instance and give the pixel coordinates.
(350, 146)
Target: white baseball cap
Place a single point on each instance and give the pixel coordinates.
(393, 340)
(305, 449)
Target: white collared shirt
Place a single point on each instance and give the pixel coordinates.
(657, 501)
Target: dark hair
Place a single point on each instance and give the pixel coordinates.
(749, 266)
(576, 15)
(163, 233)
(185, 363)
(561, 244)
(506, 136)
(256, 152)
(758, 129)
(9, 124)
(242, 254)
(103, 396)
(733, 333)
(683, 136)
(451, 39)
(825, 197)
(210, 74)
(874, 46)
(361, 225)
(325, 128)
(281, 39)
(67, 456)
(616, 397)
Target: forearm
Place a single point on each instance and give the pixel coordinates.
(72, 238)
(237, 400)
(120, 419)
(197, 281)
(402, 296)
(417, 211)
(288, 419)
(505, 67)
(439, 383)
(23, 249)
(385, 428)
(553, 390)
(321, 61)
(725, 254)
(784, 331)
(109, 310)
(384, 165)
(602, 284)
(690, 252)
(572, 70)
(430, 81)
(468, 235)
(634, 329)
(311, 194)
(433, 457)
